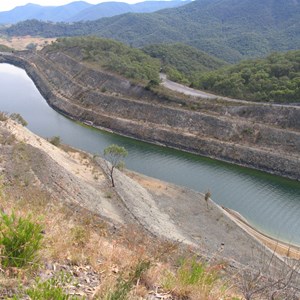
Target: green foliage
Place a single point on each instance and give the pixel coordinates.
(275, 78)
(191, 275)
(123, 286)
(110, 55)
(20, 240)
(114, 154)
(55, 140)
(51, 289)
(191, 272)
(183, 63)
(19, 119)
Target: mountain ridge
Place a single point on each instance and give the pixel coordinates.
(81, 11)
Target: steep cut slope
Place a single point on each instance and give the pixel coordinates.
(237, 132)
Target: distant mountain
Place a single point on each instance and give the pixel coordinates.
(229, 29)
(81, 11)
(110, 9)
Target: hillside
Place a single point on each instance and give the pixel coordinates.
(183, 63)
(81, 11)
(109, 55)
(275, 78)
(228, 29)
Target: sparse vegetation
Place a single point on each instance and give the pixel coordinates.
(110, 55)
(51, 289)
(123, 286)
(192, 280)
(19, 119)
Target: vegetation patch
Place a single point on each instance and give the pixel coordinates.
(275, 78)
(20, 240)
(183, 63)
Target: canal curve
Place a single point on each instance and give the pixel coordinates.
(270, 203)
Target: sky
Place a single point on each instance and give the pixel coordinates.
(10, 4)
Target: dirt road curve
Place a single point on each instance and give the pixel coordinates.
(184, 89)
(177, 87)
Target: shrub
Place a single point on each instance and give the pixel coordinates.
(55, 140)
(123, 286)
(191, 280)
(51, 289)
(20, 240)
(19, 119)
(3, 117)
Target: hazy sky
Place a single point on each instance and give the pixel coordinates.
(10, 4)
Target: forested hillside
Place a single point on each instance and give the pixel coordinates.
(229, 29)
(110, 55)
(183, 63)
(275, 78)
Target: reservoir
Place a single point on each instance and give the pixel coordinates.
(270, 203)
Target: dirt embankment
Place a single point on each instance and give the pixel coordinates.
(263, 137)
(161, 209)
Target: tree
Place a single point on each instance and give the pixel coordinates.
(31, 46)
(207, 196)
(114, 154)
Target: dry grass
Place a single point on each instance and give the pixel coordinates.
(74, 236)
(20, 43)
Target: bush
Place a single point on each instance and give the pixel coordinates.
(55, 140)
(51, 289)
(123, 287)
(20, 240)
(191, 279)
(19, 119)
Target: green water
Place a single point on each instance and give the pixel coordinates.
(270, 203)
